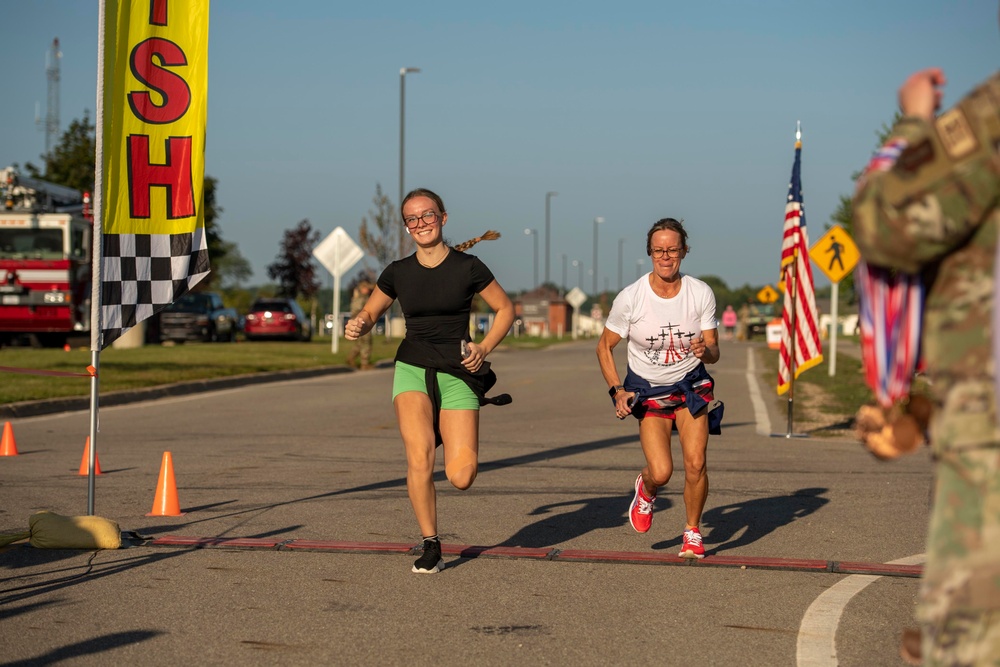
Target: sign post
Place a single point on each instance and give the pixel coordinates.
(575, 297)
(338, 253)
(836, 255)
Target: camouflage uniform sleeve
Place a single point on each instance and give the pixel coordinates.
(927, 204)
(916, 202)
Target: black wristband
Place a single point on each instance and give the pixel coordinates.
(614, 390)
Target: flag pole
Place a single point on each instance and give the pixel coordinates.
(96, 325)
(791, 291)
(791, 335)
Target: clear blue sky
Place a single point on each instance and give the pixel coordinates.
(631, 111)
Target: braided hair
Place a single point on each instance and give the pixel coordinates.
(490, 235)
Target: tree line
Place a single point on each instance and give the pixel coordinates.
(72, 163)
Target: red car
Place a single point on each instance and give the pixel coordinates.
(277, 318)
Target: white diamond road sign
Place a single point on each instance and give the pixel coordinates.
(338, 252)
(575, 297)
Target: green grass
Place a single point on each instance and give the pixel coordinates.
(842, 394)
(846, 391)
(154, 365)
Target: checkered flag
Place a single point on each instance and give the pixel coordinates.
(144, 273)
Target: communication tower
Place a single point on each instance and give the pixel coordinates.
(51, 124)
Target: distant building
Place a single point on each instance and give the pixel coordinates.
(542, 312)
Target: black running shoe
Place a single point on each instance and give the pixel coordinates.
(430, 562)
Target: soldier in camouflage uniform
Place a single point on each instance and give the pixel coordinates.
(929, 204)
(362, 350)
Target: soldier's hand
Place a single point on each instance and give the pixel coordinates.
(920, 95)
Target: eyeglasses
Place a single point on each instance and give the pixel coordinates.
(657, 253)
(413, 221)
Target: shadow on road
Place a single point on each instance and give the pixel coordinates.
(589, 514)
(89, 647)
(755, 518)
(71, 573)
(543, 454)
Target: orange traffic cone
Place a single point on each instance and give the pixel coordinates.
(165, 502)
(85, 461)
(7, 445)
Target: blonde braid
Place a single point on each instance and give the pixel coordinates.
(490, 235)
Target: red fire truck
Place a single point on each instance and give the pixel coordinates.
(45, 261)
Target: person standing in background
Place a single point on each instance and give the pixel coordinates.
(361, 352)
(729, 321)
(742, 317)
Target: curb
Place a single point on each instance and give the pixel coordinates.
(77, 403)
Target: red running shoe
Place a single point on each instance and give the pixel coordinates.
(640, 512)
(692, 548)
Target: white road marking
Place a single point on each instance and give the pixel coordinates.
(759, 409)
(817, 641)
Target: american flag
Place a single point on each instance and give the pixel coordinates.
(800, 349)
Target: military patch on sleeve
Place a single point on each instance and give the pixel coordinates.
(914, 157)
(956, 134)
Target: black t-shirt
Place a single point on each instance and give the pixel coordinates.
(436, 302)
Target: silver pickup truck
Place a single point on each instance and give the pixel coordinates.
(198, 316)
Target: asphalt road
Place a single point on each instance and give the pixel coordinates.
(542, 565)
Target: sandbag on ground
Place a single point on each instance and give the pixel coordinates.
(48, 530)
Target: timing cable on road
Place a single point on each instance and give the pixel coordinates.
(466, 551)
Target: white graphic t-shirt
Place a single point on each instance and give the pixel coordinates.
(659, 331)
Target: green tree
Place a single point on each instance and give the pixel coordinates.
(726, 296)
(293, 267)
(71, 162)
(718, 285)
(225, 270)
(230, 268)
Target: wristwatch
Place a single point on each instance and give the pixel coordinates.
(614, 390)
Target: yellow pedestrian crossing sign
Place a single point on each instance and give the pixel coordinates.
(767, 295)
(835, 253)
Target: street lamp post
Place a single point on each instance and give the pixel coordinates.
(548, 197)
(403, 71)
(597, 221)
(564, 273)
(534, 233)
(579, 279)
